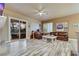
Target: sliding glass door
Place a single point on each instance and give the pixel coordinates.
(17, 29)
(14, 26)
(22, 29)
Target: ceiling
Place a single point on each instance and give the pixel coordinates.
(51, 10)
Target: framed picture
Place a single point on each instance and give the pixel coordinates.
(76, 26)
(59, 27)
(62, 26)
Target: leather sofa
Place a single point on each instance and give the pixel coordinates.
(60, 35)
(35, 35)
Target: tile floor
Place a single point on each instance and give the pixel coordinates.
(37, 48)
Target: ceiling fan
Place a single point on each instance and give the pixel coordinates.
(40, 11)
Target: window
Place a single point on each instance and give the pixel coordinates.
(47, 27)
(34, 26)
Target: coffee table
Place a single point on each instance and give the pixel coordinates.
(49, 38)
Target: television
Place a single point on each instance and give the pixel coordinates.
(2, 6)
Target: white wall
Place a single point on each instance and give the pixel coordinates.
(4, 32)
(33, 25)
(11, 13)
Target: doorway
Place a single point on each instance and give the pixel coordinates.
(17, 29)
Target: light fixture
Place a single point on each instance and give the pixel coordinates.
(40, 13)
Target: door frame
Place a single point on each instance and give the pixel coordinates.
(19, 32)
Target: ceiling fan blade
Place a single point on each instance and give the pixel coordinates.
(36, 10)
(40, 11)
(43, 10)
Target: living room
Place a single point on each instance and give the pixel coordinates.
(59, 20)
